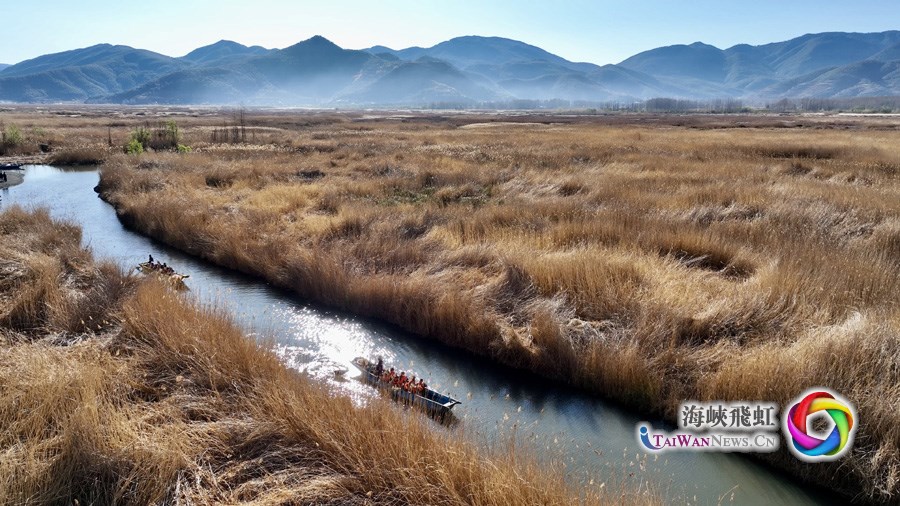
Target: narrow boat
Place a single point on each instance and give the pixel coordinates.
(175, 280)
(434, 403)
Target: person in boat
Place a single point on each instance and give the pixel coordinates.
(411, 385)
(420, 388)
(379, 367)
(151, 261)
(389, 377)
(400, 379)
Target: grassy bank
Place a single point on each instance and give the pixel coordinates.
(650, 264)
(116, 390)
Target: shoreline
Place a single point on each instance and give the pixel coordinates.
(14, 177)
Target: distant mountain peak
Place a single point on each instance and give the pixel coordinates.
(480, 37)
(85, 73)
(314, 44)
(219, 51)
(215, 46)
(467, 51)
(226, 42)
(319, 40)
(379, 49)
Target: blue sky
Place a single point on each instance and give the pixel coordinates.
(595, 31)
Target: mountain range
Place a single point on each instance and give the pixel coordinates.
(468, 70)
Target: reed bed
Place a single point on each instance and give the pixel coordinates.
(116, 390)
(651, 264)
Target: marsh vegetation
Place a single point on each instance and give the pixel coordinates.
(651, 265)
(117, 390)
(647, 259)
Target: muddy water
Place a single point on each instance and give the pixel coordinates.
(595, 439)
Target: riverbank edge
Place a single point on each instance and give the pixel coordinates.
(146, 348)
(13, 177)
(846, 485)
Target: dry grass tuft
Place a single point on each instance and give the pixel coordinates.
(91, 155)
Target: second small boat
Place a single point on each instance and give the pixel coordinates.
(174, 279)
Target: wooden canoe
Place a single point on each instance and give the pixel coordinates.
(175, 280)
(432, 402)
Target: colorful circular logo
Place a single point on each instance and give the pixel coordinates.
(806, 445)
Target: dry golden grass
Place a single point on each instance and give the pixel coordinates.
(651, 264)
(79, 156)
(115, 391)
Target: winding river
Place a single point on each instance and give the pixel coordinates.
(595, 439)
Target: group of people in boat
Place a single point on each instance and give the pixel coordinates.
(401, 381)
(160, 267)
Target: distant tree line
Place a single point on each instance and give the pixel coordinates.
(680, 105)
(719, 105)
(857, 104)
